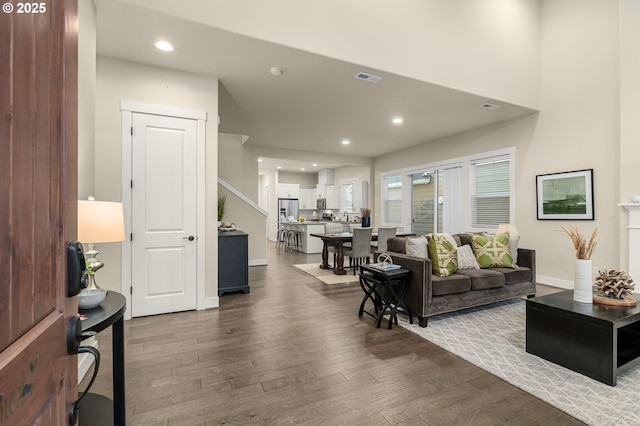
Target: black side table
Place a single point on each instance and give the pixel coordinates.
(97, 410)
(386, 289)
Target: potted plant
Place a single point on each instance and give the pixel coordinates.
(366, 217)
(222, 202)
(583, 280)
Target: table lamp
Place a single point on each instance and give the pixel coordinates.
(508, 227)
(98, 222)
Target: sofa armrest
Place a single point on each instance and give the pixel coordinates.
(527, 258)
(419, 294)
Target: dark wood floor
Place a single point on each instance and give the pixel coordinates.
(294, 351)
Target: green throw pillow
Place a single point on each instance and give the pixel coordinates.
(492, 252)
(443, 255)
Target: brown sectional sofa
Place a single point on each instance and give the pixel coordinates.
(430, 295)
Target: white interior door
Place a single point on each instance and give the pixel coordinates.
(163, 223)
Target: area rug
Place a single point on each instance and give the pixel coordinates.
(493, 338)
(326, 275)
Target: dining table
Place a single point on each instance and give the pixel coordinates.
(338, 240)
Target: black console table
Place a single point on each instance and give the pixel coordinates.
(233, 262)
(98, 410)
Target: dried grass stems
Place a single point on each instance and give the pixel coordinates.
(365, 212)
(584, 249)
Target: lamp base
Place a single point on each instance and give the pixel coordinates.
(91, 297)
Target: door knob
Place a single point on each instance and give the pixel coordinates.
(190, 238)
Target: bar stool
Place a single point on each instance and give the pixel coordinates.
(287, 236)
(281, 241)
(294, 239)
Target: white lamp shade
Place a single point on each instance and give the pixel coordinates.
(508, 227)
(100, 222)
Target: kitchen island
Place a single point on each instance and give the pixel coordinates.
(309, 244)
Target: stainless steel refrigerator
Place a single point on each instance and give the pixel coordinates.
(287, 208)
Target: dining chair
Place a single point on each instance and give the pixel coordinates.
(353, 226)
(333, 228)
(360, 249)
(384, 233)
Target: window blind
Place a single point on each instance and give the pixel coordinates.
(393, 199)
(491, 194)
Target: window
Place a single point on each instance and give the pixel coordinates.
(392, 201)
(347, 192)
(490, 199)
(464, 194)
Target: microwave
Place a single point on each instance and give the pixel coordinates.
(321, 203)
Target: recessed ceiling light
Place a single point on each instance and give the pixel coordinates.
(397, 120)
(279, 167)
(259, 160)
(346, 142)
(276, 72)
(302, 169)
(315, 164)
(165, 46)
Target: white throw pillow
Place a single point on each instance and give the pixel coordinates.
(466, 258)
(417, 247)
(513, 247)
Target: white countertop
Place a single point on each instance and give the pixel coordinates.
(316, 222)
(306, 222)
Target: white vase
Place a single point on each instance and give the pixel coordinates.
(583, 281)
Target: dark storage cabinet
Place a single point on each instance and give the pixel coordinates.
(233, 262)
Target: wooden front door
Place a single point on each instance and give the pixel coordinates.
(38, 203)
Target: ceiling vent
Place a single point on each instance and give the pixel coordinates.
(489, 106)
(367, 77)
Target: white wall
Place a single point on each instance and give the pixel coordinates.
(86, 96)
(120, 80)
(488, 47)
(517, 133)
(579, 125)
(577, 128)
(250, 221)
(239, 168)
(629, 160)
(237, 165)
(305, 180)
(364, 173)
(270, 179)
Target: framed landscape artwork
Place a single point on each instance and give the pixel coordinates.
(565, 196)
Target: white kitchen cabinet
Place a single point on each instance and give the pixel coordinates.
(332, 194)
(288, 190)
(308, 199)
(360, 193)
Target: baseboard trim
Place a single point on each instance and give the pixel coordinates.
(258, 262)
(555, 282)
(209, 303)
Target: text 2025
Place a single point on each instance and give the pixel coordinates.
(31, 7)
